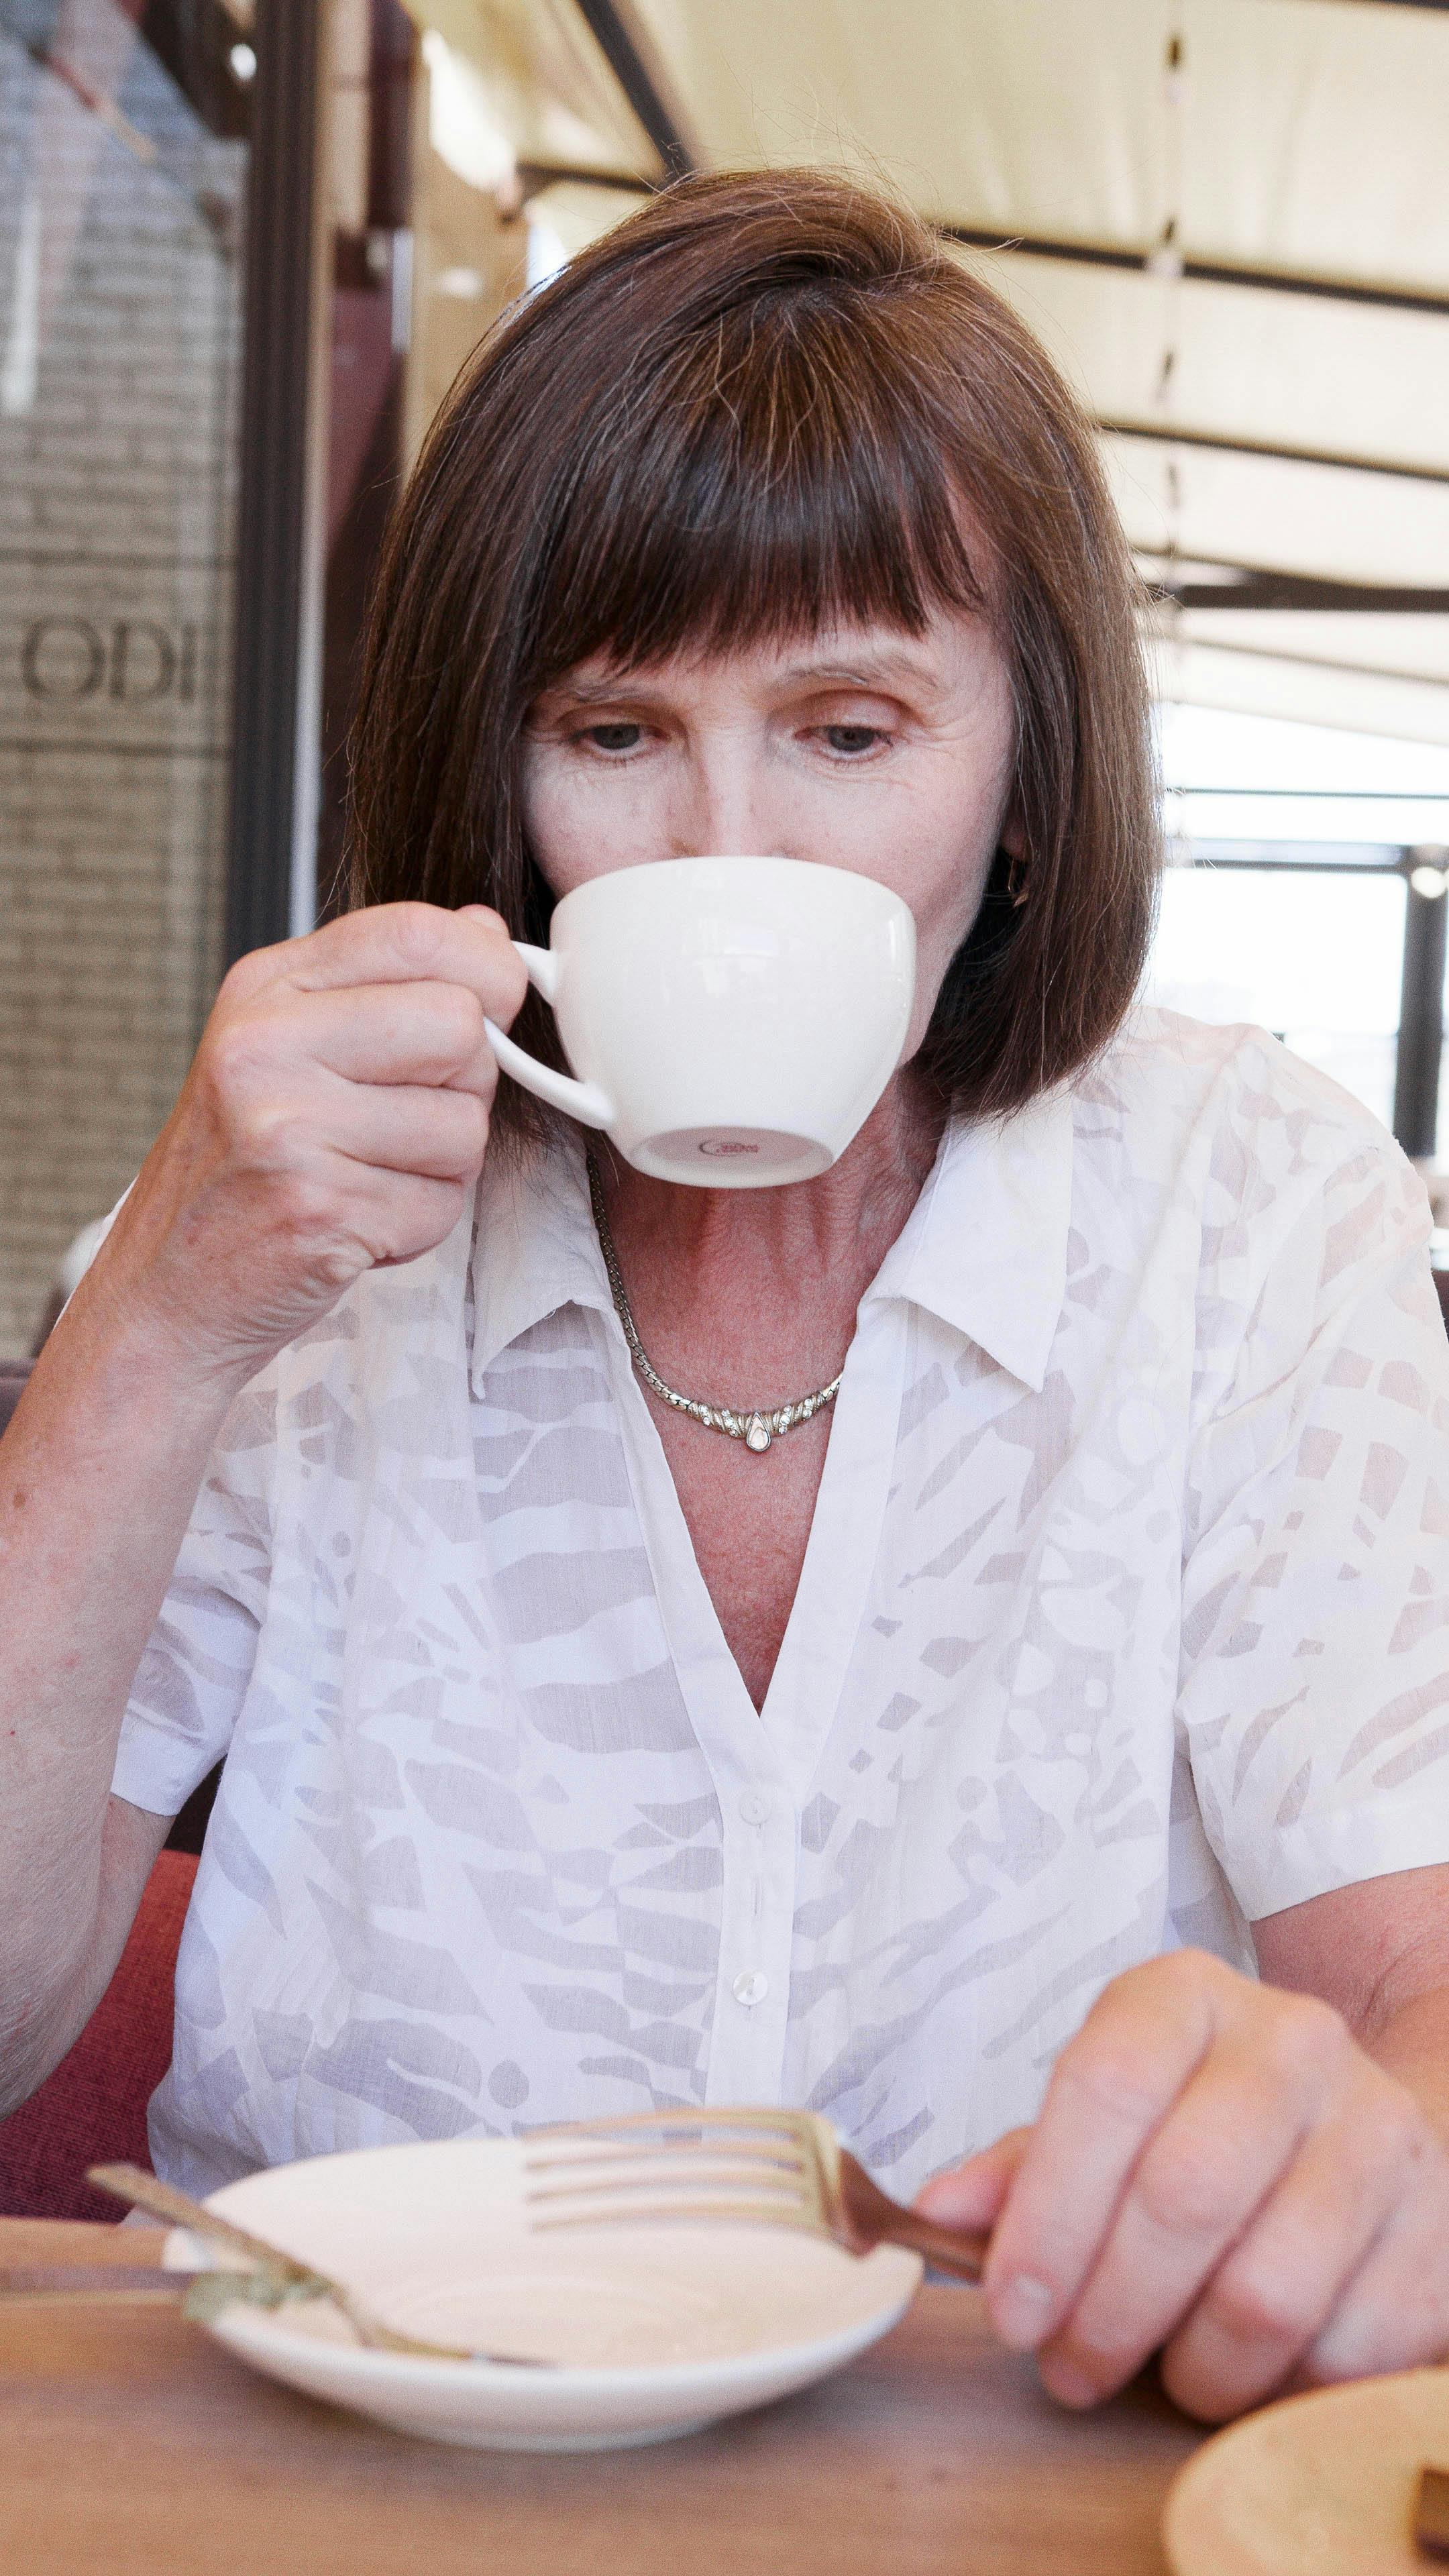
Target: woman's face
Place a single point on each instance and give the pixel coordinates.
(860, 748)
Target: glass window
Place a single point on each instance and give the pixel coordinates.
(1265, 778)
(1315, 955)
(122, 168)
(469, 153)
(1442, 1150)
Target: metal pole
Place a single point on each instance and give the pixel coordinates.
(620, 39)
(1421, 1005)
(269, 691)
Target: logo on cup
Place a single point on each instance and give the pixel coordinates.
(726, 1145)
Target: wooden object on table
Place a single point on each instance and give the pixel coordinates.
(130, 2442)
(1323, 2485)
(1431, 2513)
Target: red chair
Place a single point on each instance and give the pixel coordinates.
(92, 2109)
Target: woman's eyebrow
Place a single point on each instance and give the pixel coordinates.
(869, 672)
(873, 671)
(562, 695)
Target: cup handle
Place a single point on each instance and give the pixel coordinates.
(586, 1101)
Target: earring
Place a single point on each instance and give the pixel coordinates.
(1016, 881)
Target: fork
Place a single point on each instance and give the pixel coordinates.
(769, 2168)
(281, 2278)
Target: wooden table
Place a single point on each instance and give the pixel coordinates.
(131, 2445)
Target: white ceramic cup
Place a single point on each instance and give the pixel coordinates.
(732, 1022)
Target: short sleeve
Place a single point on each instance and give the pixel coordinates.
(1314, 1678)
(193, 1677)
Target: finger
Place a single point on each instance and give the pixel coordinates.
(342, 1218)
(1233, 2131)
(435, 1134)
(392, 1033)
(1393, 2313)
(393, 1217)
(971, 2194)
(400, 943)
(1112, 2085)
(1274, 2291)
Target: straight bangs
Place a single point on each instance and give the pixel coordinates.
(777, 479)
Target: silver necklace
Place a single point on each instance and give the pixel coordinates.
(758, 1425)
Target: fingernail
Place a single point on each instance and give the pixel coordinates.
(1022, 2311)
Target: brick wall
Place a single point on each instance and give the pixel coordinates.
(120, 284)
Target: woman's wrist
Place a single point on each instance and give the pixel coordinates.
(123, 1348)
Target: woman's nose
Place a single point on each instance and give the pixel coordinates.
(723, 809)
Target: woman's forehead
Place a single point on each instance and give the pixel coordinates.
(868, 654)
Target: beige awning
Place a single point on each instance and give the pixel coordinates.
(1231, 225)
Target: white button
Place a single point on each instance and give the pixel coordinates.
(754, 1806)
(751, 1986)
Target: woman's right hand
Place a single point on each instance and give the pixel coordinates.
(334, 1118)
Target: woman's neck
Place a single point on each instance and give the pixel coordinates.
(770, 1279)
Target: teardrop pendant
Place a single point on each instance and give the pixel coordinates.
(758, 1435)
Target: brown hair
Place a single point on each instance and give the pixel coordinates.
(752, 410)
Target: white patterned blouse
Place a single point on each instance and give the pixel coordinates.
(1124, 1622)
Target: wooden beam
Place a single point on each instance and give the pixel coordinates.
(610, 23)
(1167, 434)
(1203, 272)
(1298, 590)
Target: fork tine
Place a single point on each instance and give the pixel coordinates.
(714, 2135)
(661, 2168)
(771, 2213)
(785, 2194)
(630, 2159)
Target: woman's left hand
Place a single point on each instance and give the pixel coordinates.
(1220, 2173)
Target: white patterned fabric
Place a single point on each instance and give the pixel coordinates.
(1123, 1623)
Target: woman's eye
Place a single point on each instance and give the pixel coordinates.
(613, 737)
(849, 739)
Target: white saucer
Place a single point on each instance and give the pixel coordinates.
(658, 2330)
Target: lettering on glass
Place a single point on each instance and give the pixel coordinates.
(130, 661)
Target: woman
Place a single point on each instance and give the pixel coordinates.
(955, 1765)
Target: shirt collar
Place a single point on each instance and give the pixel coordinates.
(985, 1247)
(534, 1247)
